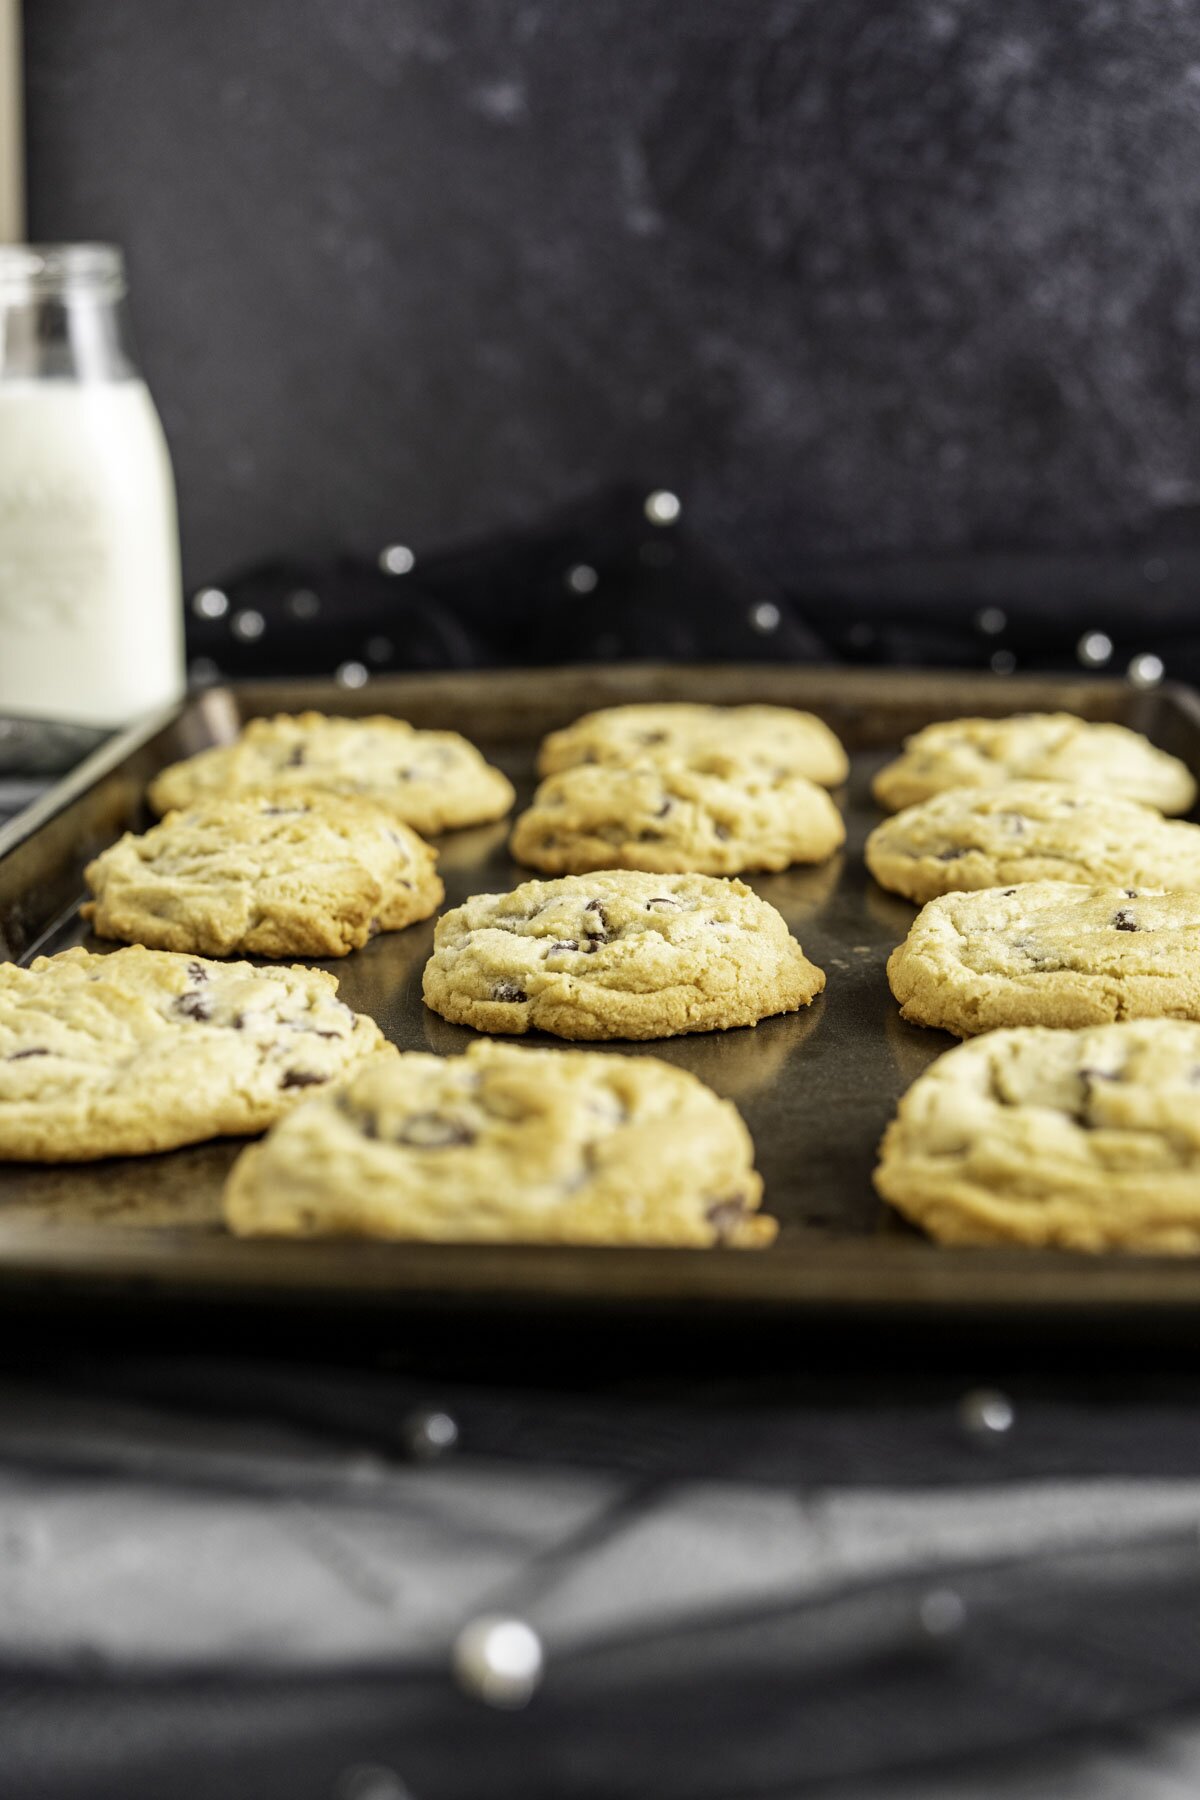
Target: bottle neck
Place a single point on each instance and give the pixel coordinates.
(73, 335)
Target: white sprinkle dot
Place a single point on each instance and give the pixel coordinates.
(247, 625)
(991, 621)
(371, 1781)
(1094, 649)
(431, 1434)
(499, 1660)
(986, 1412)
(210, 603)
(581, 578)
(304, 604)
(942, 1613)
(662, 507)
(396, 559)
(352, 675)
(765, 616)
(1146, 670)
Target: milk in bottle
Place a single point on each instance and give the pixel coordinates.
(91, 624)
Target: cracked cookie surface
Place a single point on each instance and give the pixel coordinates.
(144, 1050)
(771, 737)
(1049, 953)
(617, 954)
(1083, 1140)
(1030, 831)
(1035, 747)
(432, 780)
(508, 1145)
(306, 876)
(674, 820)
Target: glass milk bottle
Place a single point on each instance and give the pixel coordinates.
(91, 618)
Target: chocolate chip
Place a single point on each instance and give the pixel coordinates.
(652, 737)
(649, 837)
(509, 993)
(950, 855)
(723, 832)
(374, 928)
(20, 1055)
(296, 757)
(1131, 893)
(663, 810)
(663, 900)
(194, 1006)
(726, 1215)
(565, 944)
(1124, 920)
(196, 972)
(1015, 823)
(327, 1034)
(301, 1078)
(597, 925)
(1009, 892)
(434, 1131)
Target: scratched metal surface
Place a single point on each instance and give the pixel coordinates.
(816, 1088)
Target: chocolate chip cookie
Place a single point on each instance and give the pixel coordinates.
(307, 876)
(507, 1145)
(1035, 747)
(1030, 831)
(1084, 1140)
(674, 819)
(1049, 953)
(617, 955)
(432, 780)
(143, 1050)
(769, 737)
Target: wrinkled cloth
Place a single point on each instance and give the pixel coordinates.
(242, 1573)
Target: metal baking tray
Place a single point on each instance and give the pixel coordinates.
(816, 1088)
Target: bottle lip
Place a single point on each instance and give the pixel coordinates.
(45, 270)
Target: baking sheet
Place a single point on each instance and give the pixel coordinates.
(816, 1088)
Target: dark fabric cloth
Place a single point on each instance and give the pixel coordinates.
(239, 1578)
(658, 591)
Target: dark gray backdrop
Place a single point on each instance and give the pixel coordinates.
(852, 277)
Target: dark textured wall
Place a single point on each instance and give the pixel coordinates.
(854, 277)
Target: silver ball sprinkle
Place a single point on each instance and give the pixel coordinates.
(942, 1613)
(986, 1413)
(991, 621)
(498, 1660)
(1094, 649)
(662, 507)
(352, 675)
(431, 1434)
(248, 625)
(581, 578)
(210, 603)
(303, 604)
(765, 617)
(1146, 670)
(396, 559)
(1003, 662)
